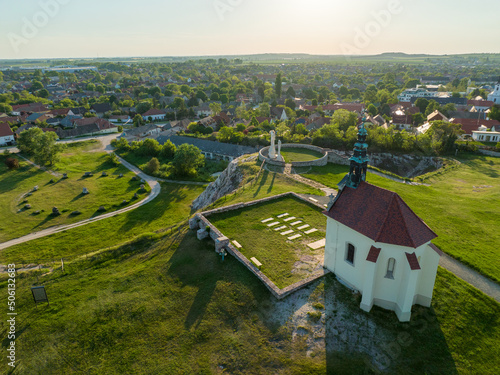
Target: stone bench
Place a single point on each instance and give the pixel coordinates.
(256, 262)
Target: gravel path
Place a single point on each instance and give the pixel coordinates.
(474, 278)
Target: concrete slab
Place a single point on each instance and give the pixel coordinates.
(280, 228)
(273, 224)
(267, 220)
(303, 227)
(311, 231)
(294, 237)
(282, 215)
(287, 232)
(296, 223)
(318, 244)
(237, 244)
(289, 218)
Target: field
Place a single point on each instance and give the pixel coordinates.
(66, 194)
(171, 306)
(460, 205)
(284, 261)
(299, 154)
(165, 303)
(170, 208)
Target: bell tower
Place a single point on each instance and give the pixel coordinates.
(359, 161)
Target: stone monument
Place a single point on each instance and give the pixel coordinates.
(272, 149)
(85, 191)
(279, 157)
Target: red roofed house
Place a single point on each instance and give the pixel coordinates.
(155, 114)
(377, 245)
(6, 134)
(471, 125)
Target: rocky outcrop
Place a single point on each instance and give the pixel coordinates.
(227, 182)
(403, 165)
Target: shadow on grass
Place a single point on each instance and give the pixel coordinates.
(272, 183)
(79, 196)
(262, 183)
(48, 218)
(195, 264)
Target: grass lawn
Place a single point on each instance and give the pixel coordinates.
(460, 205)
(277, 254)
(299, 154)
(171, 207)
(65, 194)
(172, 307)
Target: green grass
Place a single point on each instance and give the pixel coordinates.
(460, 205)
(171, 207)
(172, 307)
(65, 194)
(277, 254)
(299, 154)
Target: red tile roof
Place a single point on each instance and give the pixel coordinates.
(402, 120)
(413, 261)
(5, 130)
(480, 103)
(381, 215)
(153, 112)
(373, 254)
(469, 125)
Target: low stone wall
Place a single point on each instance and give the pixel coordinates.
(200, 222)
(490, 153)
(263, 156)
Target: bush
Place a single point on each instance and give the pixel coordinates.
(113, 159)
(153, 166)
(12, 163)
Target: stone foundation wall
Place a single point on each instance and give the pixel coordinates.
(200, 222)
(264, 156)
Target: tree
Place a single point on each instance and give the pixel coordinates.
(422, 104)
(433, 106)
(5, 108)
(290, 92)
(41, 146)
(187, 160)
(138, 121)
(152, 166)
(495, 112)
(277, 85)
(149, 147)
(216, 108)
(43, 93)
(214, 96)
(372, 110)
(143, 106)
(344, 119)
(418, 119)
(36, 85)
(12, 163)
(290, 103)
(168, 150)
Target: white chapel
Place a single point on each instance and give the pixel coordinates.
(495, 95)
(377, 245)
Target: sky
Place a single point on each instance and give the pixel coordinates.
(112, 28)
